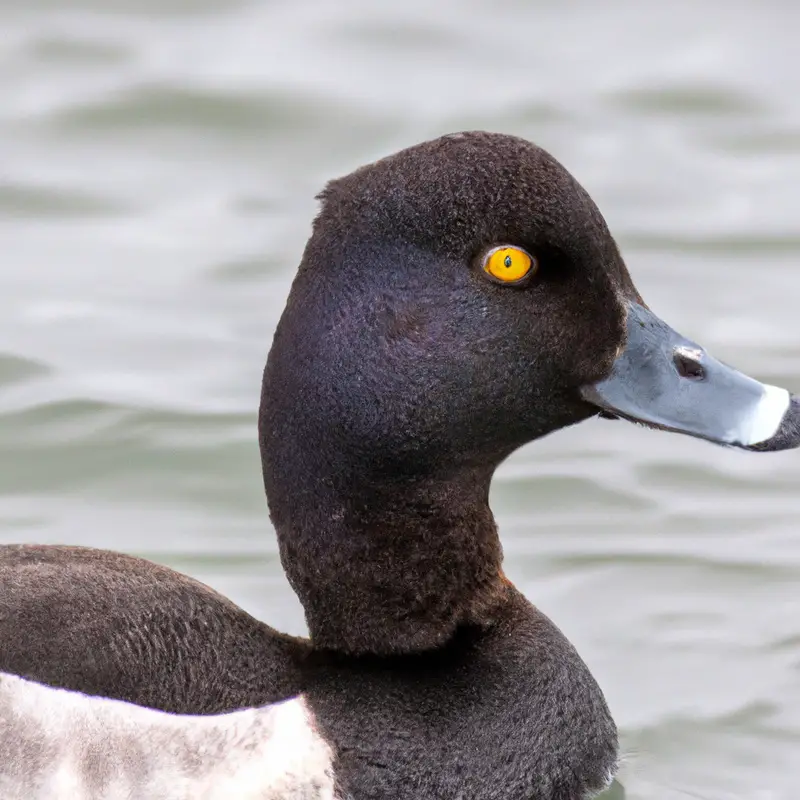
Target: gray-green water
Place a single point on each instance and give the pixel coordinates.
(158, 162)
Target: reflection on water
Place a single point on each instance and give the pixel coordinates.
(159, 164)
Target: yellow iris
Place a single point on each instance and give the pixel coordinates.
(508, 264)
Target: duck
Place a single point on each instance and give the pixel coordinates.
(455, 301)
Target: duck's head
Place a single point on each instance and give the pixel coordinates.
(455, 301)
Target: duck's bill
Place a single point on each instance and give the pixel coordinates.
(665, 381)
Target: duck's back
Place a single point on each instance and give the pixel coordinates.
(112, 625)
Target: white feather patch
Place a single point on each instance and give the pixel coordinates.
(62, 745)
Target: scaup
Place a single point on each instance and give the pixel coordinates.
(455, 301)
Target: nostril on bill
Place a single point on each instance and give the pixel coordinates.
(687, 362)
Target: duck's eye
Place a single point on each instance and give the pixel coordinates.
(508, 264)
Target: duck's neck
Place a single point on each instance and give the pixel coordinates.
(392, 566)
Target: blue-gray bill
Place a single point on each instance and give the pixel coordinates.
(666, 381)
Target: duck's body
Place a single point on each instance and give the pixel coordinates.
(506, 712)
(455, 301)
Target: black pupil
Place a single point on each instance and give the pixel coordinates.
(507, 261)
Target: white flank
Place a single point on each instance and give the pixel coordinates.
(61, 745)
(764, 420)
